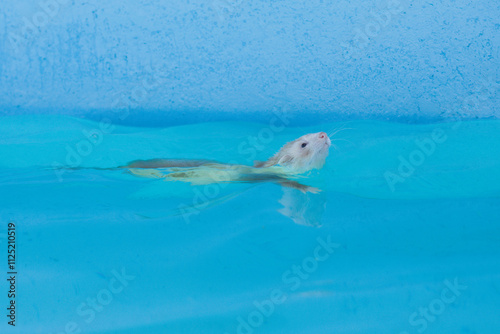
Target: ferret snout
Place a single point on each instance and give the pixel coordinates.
(324, 137)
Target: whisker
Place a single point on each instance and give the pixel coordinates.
(343, 140)
(339, 130)
(335, 146)
(335, 131)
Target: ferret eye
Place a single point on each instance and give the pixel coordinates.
(303, 145)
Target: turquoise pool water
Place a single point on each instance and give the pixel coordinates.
(403, 238)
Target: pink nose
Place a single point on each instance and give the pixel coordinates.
(322, 135)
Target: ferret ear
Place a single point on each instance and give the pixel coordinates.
(285, 159)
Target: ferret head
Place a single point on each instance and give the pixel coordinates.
(303, 154)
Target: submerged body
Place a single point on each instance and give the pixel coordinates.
(294, 158)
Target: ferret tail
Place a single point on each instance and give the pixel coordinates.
(259, 164)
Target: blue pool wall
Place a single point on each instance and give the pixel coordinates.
(166, 62)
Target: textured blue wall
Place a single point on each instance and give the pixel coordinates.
(396, 59)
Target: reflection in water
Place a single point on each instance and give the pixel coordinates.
(303, 208)
(303, 204)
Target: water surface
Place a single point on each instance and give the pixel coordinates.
(410, 208)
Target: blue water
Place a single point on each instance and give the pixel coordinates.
(409, 215)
